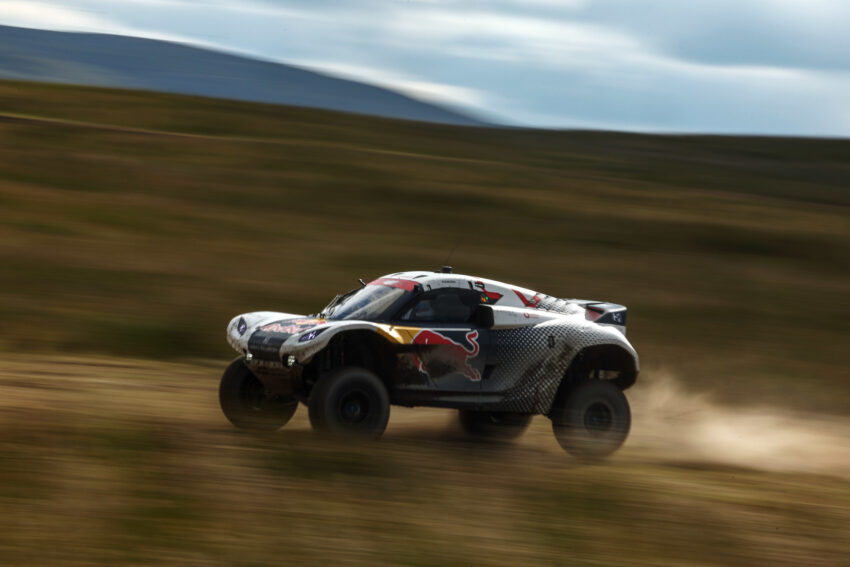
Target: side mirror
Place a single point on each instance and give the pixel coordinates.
(483, 316)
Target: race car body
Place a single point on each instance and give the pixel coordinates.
(495, 351)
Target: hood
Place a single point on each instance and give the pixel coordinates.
(243, 327)
(265, 342)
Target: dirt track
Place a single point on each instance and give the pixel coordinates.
(668, 422)
(136, 456)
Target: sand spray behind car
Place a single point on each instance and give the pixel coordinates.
(693, 426)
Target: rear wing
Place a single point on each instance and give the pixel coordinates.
(605, 313)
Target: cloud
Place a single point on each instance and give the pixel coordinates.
(762, 66)
(415, 87)
(786, 33)
(50, 16)
(488, 35)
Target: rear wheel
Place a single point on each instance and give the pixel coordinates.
(351, 402)
(246, 404)
(592, 420)
(494, 424)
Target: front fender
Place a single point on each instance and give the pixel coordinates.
(304, 348)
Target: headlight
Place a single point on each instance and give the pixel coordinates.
(241, 326)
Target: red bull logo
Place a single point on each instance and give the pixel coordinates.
(452, 358)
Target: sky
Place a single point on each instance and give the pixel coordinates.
(779, 67)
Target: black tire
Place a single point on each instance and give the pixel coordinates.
(494, 424)
(246, 404)
(350, 402)
(592, 420)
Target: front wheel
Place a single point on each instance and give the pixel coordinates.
(494, 424)
(592, 420)
(350, 402)
(246, 404)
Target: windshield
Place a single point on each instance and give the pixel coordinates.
(368, 303)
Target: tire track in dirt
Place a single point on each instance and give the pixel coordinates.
(669, 424)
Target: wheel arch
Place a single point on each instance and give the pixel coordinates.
(609, 358)
(359, 347)
(607, 361)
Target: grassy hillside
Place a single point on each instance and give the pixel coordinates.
(139, 63)
(138, 224)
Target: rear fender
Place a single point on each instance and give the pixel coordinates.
(608, 361)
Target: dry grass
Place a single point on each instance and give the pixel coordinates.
(138, 224)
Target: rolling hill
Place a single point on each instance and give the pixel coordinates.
(136, 63)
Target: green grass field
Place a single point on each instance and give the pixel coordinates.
(133, 226)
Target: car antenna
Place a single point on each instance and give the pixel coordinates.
(361, 282)
(446, 269)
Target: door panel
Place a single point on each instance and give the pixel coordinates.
(450, 358)
(442, 366)
(447, 354)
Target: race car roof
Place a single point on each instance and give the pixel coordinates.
(505, 294)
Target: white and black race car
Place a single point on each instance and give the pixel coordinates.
(498, 353)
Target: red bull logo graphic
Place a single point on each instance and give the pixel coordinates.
(452, 358)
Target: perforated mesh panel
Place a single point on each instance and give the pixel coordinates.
(531, 361)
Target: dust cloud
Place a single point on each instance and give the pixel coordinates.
(669, 420)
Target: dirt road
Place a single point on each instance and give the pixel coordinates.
(668, 422)
(119, 461)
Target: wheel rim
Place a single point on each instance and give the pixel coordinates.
(253, 394)
(354, 408)
(598, 418)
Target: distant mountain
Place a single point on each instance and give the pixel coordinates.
(136, 63)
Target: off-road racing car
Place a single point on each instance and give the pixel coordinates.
(498, 353)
